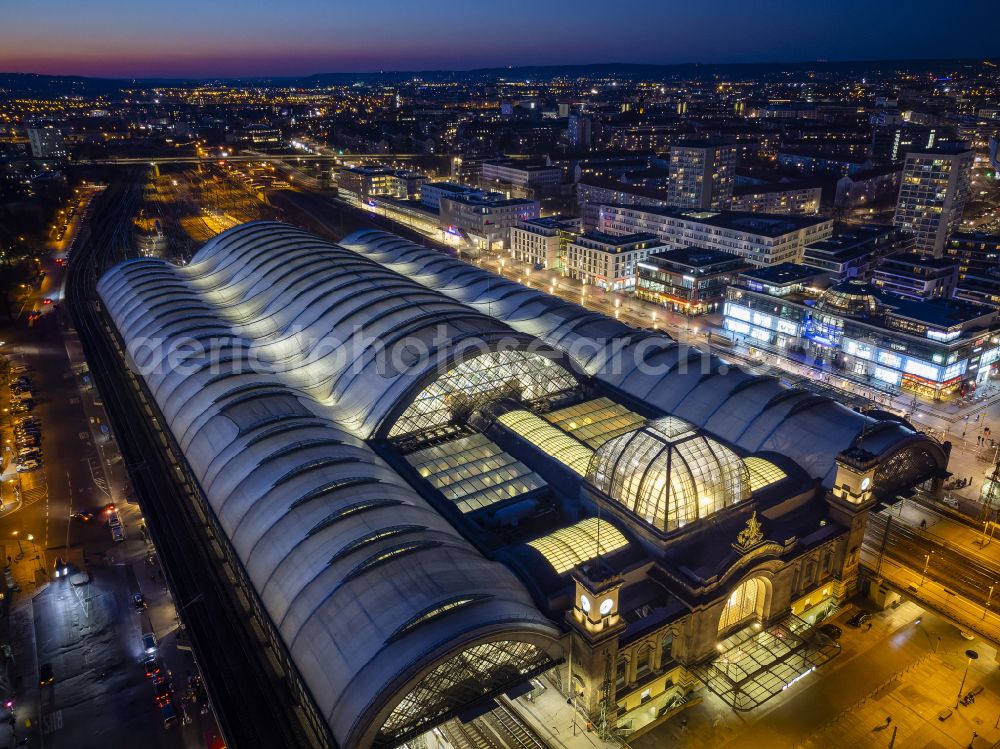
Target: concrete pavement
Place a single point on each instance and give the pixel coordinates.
(900, 668)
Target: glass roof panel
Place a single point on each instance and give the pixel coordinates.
(578, 544)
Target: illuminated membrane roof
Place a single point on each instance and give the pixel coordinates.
(753, 412)
(328, 534)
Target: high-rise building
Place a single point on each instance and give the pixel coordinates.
(578, 132)
(935, 187)
(702, 174)
(46, 142)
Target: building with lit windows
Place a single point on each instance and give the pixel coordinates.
(758, 238)
(855, 251)
(432, 192)
(609, 261)
(484, 219)
(546, 498)
(916, 276)
(702, 174)
(797, 198)
(936, 348)
(362, 182)
(500, 174)
(935, 187)
(47, 142)
(690, 280)
(541, 242)
(978, 258)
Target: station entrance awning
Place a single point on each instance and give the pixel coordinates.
(756, 663)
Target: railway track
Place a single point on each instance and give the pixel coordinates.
(253, 700)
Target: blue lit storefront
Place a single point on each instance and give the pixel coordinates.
(934, 349)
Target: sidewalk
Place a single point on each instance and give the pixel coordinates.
(891, 671)
(551, 718)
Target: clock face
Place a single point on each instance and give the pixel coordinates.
(585, 604)
(865, 483)
(606, 605)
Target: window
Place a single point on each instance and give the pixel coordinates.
(620, 674)
(666, 648)
(577, 544)
(744, 602)
(554, 442)
(644, 661)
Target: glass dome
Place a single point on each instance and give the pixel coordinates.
(851, 298)
(669, 474)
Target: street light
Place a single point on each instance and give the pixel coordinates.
(988, 597)
(20, 550)
(971, 655)
(927, 561)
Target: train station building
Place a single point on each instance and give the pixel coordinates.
(438, 486)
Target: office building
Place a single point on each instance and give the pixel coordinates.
(702, 174)
(690, 280)
(646, 529)
(47, 142)
(855, 251)
(362, 182)
(758, 238)
(499, 174)
(978, 258)
(541, 242)
(934, 348)
(432, 192)
(935, 187)
(484, 219)
(259, 136)
(915, 276)
(609, 261)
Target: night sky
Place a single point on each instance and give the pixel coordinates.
(285, 37)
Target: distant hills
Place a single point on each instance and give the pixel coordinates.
(31, 84)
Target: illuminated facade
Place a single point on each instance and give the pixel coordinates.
(702, 174)
(933, 347)
(936, 185)
(512, 505)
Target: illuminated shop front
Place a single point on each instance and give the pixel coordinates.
(935, 348)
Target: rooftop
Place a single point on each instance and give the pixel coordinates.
(753, 223)
(783, 273)
(615, 240)
(695, 257)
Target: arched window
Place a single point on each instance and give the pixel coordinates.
(744, 603)
(644, 661)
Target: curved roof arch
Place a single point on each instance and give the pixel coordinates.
(706, 390)
(327, 533)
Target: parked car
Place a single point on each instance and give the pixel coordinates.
(29, 465)
(29, 452)
(831, 630)
(860, 619)
(169, 715)
(153, 667)
(138, 602)
(149, 643)
(162, 693)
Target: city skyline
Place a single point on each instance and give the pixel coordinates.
(227, 40)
